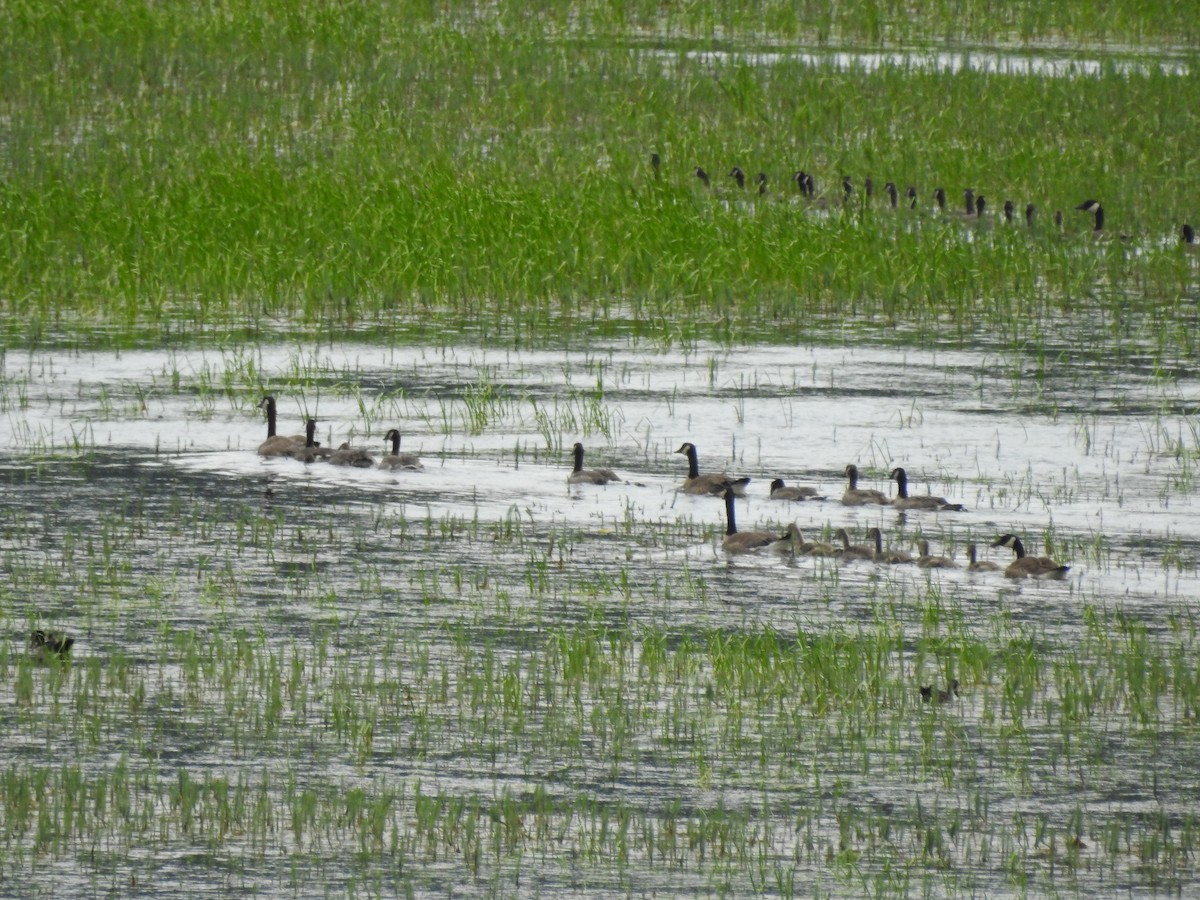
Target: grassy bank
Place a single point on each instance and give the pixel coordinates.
(379, 167)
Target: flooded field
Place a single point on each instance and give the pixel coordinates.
(478, 680)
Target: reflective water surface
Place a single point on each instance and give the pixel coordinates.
(477, 679)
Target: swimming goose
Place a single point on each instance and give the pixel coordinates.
(925, 561)
(856, 496)
(712, 483)
(887, 557)
(396, 459)
(311, 451)
(929, 694)
(851, 552)
(745, 541)
(814, 548)
(1097, 211)
(47, 645)
(979, 565)
(276, 444)
(780, 491)
(345, 455)
(903, 501)
(1041, 567)
(738, 175)
(580, 475)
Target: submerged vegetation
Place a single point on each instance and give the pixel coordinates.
(393, 167)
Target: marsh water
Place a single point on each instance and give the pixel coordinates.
(474, 642)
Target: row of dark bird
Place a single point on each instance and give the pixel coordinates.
(973, 209)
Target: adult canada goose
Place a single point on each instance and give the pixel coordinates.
(887, 557)
(50, 644)
(925, 501)
(939, 197)
(580, 475)
(856, 496)
(1188, 238)
(1041, 567)
(780, 491)
(276, 445)
(926, 561)
(702, 175)
(980, 206)
(713, 483)
(799, 178)
(745, 541)
(847, 190)
(893, 194)
(1010, 209)
(851, 552)
(928, 694)
(979, 565)
(868, 188)
(1030, 213)
(911, 194)
(656, 164)
(1097, 211)
(396, 459)
(311, 451)
(968, 204)
(810, 186)
(761, 179)
(345, 455)
(738, 175)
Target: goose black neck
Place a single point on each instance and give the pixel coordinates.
(579, 457)
(730, 523)
(310, 432)
(395, 442)
(270, 417)
(1099, 226)
(852, 475)
(902, 484)
(693, 462)
(1018, 547)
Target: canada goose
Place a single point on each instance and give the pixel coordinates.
(868, 188)
(345, 455)
(925, 561)
(396, 459)
(310, 451)
(979, 565)
(1058, 219)
(814, 548)
(702, 175)
(1097, 211)
(939, 197)
(851, 552)
(847, 190)
(745, 541)
(1009, 210)
(856, 496)
(580, 475)
(810, 186)
(980, 206)
(887, 557)
(656, 164)
(903, 501)
(761, 178)
(1188, 238)
(893, 194)
(780, 491)
(911, 194)
(50, 644)
(799, 178)
(968, 204)
(712, 483)
(1030, 213)
(928, 694)
(1041, 567)
(276, 445)
(738, 175)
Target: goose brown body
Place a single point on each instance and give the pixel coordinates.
(856, 496)
(580, 475)
(711, 484)
(927, 561)
(781, 491)
(924, 501)
(979, 565)
(396, 459)
(1039, 567)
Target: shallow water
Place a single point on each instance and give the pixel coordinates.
(138, 518)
